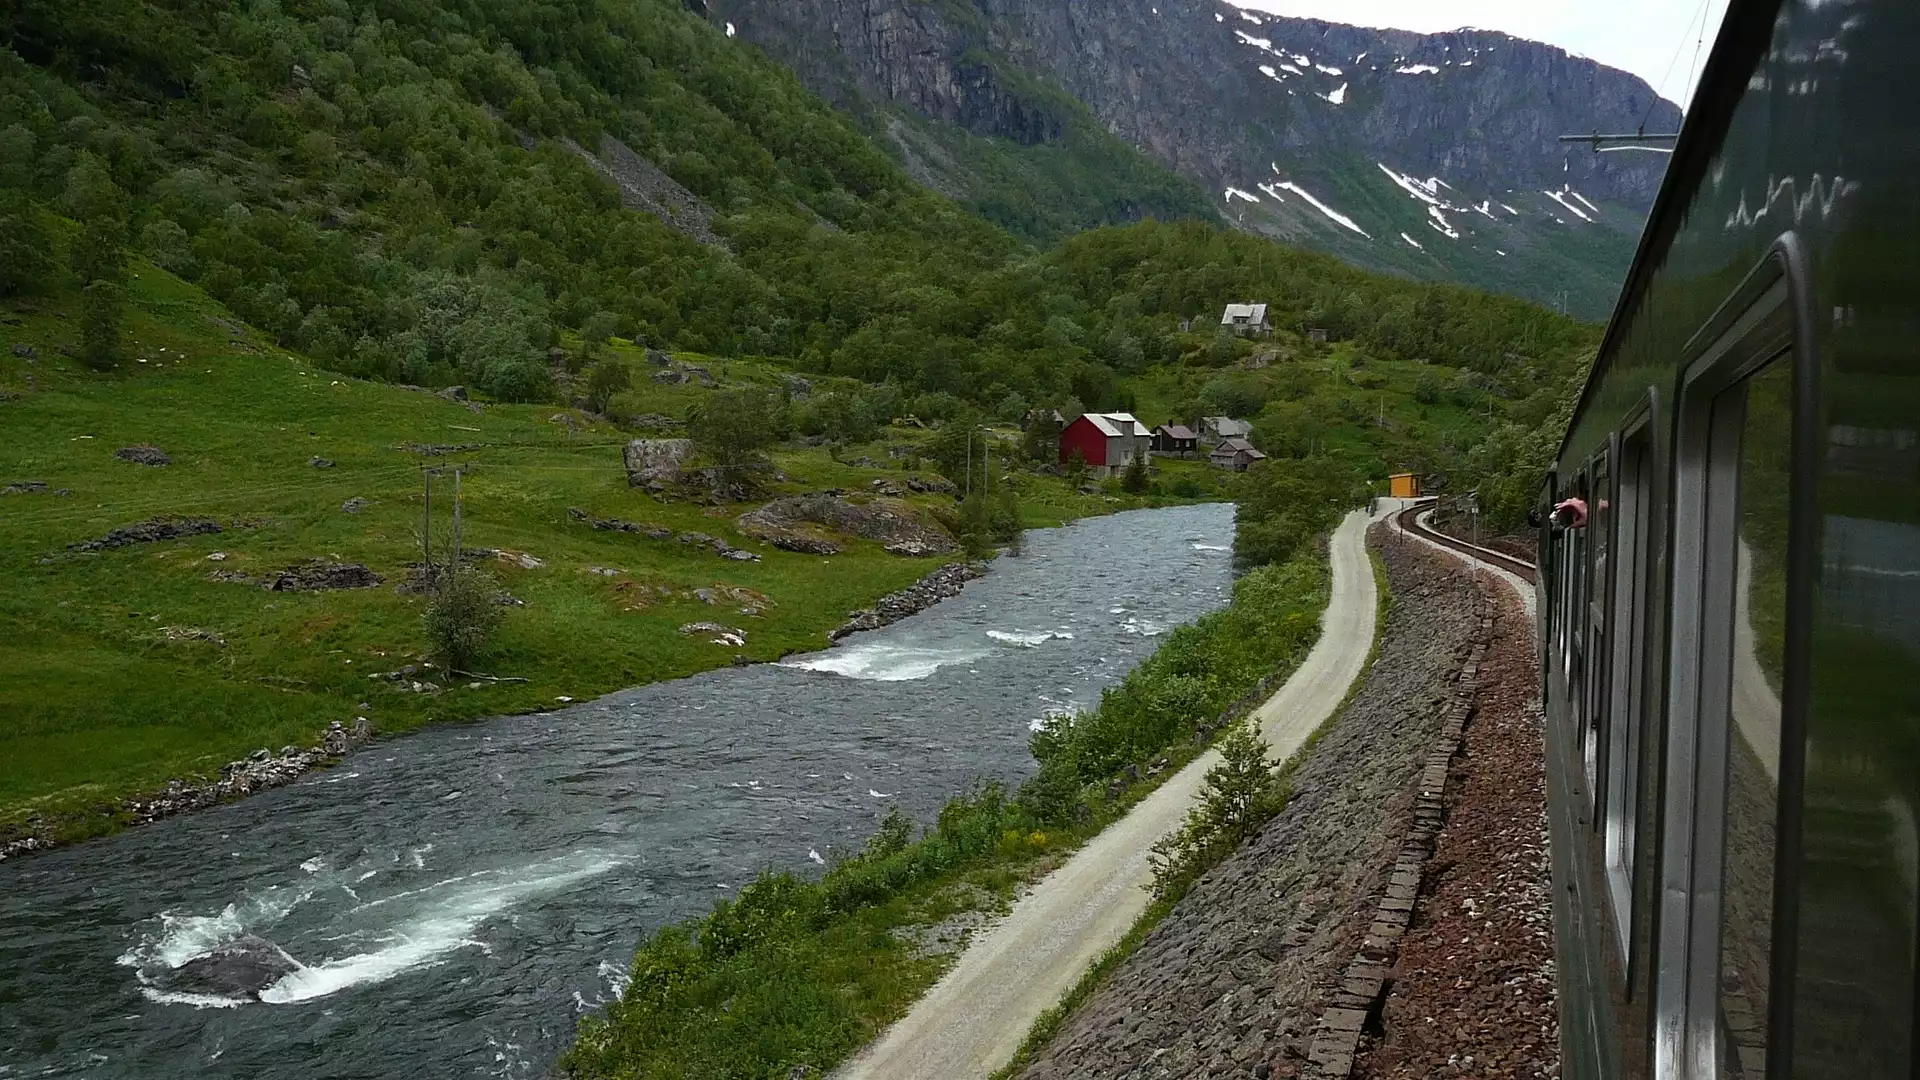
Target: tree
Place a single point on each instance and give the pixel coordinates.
(605, 379)
(1241, 794)
(594, 334)
(1288, 502)
(462, 615)
(733, 428)
(1134, 480)
(24, 246)
(102, 324)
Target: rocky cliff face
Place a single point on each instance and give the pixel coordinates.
(1433, 155)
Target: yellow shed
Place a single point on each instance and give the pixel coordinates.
(1404, 485)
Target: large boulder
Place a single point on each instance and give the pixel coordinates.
(654, 464)
(243, 967)
(895, 524)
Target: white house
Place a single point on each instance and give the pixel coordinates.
(1247, 320)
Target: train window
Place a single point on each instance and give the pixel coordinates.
(1724, 715)
(1593, 616)
(1626, 664)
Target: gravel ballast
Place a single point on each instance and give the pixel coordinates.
(1232, 982)
(1475, 993)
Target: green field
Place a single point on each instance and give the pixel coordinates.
(127, 667)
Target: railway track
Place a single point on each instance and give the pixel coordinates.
(1409, 520)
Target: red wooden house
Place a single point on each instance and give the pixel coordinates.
(1105, 441)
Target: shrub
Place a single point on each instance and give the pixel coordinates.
(1134, 480)
(462, 615)
(1241, 794)
(102, 322)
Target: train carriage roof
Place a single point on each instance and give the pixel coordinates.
(1745, 34)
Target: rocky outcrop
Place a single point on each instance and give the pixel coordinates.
(654, 465)
(143, 454)
(794, 523)
(940, 585)
(151, 531)
(655, 532)
(1234, 981)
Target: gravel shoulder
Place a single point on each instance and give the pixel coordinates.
(1232, 982)
(1475, 992)
(975, 1018)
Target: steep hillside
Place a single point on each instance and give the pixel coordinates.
(1434, 156)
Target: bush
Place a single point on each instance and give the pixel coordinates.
(1241, 794)
(102, 324)
(1134, 479)
(462, 615)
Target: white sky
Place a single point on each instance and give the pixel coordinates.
(1654, 39)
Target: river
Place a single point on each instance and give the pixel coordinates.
(449, 903)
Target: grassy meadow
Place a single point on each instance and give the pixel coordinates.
(127, 667)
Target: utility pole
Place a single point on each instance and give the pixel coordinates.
(456, 516)
(969, 461)
(426, 523)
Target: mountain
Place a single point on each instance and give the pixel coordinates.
(1433, 156)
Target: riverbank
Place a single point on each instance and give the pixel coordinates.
(794, 974)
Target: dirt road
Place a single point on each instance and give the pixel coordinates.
(975, 1018)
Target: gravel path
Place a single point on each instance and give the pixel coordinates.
(1475, 992)
(974, 1018)
(1232, 982)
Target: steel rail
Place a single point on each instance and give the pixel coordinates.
(1409, 522)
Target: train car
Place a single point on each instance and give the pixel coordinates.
(1730, 604)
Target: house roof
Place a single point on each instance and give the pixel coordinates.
(1238, 446)
(1227, 426)
(1177, 431)
(1114, 425)
(1250, 312)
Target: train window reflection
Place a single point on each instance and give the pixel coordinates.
(1626, 675)
(1594, 627)
(1752, 759)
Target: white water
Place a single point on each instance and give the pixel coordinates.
(1028, 639)
(881, 661)
(407, 930)
(454, 909)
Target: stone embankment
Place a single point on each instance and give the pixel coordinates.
(1236, 978)
(940, 585)
(258, 772)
